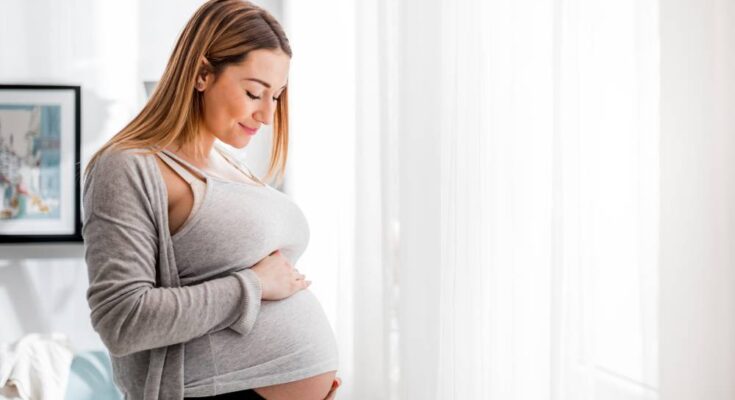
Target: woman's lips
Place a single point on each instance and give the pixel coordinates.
(247, 130)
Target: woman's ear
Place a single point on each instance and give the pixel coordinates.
(205, 75)
(201, 83)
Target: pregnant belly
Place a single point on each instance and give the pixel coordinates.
(291, 340)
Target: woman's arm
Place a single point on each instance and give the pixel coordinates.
(128, 311)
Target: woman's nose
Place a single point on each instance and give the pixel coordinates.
(265, 113)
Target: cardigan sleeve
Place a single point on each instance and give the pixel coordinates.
(128, 310)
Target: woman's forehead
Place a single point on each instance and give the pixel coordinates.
(266, 67)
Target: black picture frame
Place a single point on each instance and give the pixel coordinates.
(40, 145)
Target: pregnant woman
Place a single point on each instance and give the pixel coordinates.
(191, 257)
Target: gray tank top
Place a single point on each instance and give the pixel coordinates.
(241, 223)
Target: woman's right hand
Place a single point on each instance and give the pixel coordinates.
(278, 278)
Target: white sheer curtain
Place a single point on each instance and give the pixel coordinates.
(547, 132)
(497, 199)
(483, 176)
(549, 200)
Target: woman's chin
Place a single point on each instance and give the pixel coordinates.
(238, 143)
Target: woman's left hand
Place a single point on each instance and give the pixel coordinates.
(333, 391)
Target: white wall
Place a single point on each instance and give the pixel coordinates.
(697, 270)
(42, 288)
(109, 48)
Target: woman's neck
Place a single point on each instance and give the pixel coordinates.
(189, 150)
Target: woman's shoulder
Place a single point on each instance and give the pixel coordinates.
(121, 162)
(122, 169)
(119, 179)
(124, 156)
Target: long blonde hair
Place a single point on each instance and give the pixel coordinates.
(221, 32)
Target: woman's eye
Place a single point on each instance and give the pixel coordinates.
(254, 97)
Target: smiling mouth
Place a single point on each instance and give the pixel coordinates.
(247, 130)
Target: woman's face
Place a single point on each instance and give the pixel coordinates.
(244, 96)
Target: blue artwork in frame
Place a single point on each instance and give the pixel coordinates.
(39, 163)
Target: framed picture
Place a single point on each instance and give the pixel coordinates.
(39, 163)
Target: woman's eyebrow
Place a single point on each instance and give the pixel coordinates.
(266, 84)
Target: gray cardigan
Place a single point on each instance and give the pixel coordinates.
(137, 305)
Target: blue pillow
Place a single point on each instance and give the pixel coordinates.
(91, 378)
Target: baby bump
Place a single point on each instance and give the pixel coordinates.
(291, 340)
